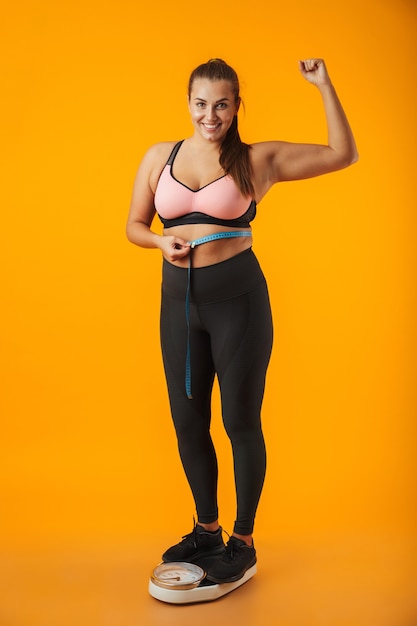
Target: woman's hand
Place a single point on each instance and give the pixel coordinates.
(174, 248)
(315, 71)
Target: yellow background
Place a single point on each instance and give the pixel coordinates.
(87, 450)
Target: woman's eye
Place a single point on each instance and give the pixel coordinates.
(200, 105)
(221, 105)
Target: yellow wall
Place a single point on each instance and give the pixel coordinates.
(86, 447)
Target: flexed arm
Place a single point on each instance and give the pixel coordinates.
(340, 137)
(293, 161)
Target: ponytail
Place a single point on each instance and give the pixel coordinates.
(234, 159)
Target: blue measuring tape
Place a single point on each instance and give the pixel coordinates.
(197, 242)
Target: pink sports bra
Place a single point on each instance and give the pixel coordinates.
(220, 202)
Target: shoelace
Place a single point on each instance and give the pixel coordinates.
(193, 535)
(231, 549)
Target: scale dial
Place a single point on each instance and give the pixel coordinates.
(177, 575)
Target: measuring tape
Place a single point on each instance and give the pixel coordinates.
(197, 242)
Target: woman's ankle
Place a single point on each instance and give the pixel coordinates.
(248, 539)
(211, 527)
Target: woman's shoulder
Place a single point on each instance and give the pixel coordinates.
(154, 161)
(263, 153)
(160, 151)
(155, 157)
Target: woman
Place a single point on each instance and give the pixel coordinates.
(215, 313)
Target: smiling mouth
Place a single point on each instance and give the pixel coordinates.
(211, 126)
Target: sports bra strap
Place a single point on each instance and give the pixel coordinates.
(174, 152)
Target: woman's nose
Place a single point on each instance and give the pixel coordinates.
(211, 113)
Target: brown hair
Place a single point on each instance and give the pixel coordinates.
(234, 154)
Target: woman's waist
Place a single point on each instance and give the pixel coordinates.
(211, 244)
(223, 280)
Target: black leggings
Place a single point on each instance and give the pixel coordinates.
(231, 336)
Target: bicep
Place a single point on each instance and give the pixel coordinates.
(287, 161)
(295, 161)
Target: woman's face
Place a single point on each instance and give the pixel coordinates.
(212, 107)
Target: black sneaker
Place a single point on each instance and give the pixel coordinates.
(232, 565)
(199, 543)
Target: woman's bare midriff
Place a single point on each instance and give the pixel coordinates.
(213, 251)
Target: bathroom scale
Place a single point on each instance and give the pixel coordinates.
(183, 583)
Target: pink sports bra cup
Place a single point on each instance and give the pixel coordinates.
(218, 202)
